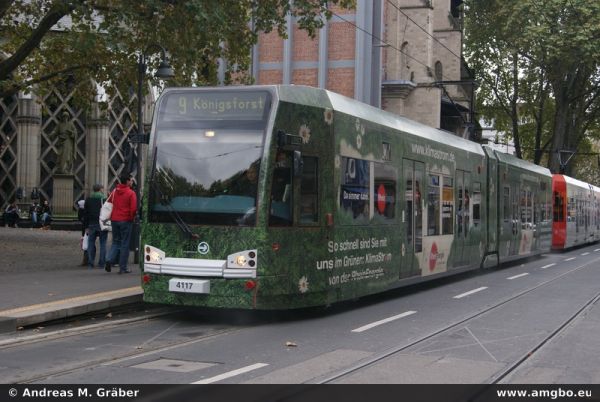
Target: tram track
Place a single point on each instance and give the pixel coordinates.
(75, 331)
(136, 353)
(364, 364)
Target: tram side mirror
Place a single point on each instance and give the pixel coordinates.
(280, 138)
(298, 163)
(284, 139)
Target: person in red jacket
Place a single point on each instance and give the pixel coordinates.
(123, 214)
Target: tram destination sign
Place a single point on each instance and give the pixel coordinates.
(208, 105)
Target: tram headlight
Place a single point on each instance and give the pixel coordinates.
(243, 259)
(153, 255)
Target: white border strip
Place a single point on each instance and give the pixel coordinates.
(470, 292)
(231, 373)
(517, 276)
(385, 320)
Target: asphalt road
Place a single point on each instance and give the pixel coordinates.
(309, 346)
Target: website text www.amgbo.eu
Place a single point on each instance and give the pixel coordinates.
(543, 393)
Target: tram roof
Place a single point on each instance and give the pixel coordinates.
(514, 161)
(578, 183)
(317, 97)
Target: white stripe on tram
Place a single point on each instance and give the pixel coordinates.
(549, 265)
(470, 292)
(517, 276)
(570, 259)
(231, 373)
(385, 320)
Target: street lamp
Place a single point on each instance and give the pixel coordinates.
(164, 72)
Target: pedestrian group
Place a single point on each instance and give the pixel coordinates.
(124, 209)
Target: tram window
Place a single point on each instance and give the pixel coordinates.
(476, 203)
(515, 204)
(281, 191)
(384, 191)
(433, 206)
(459, 212)
(506, 204)
(354, 192)
(408, 199)
(309, 194)
(467, 210)
(524, 210)
(571, 210)
(447, 205)
(530, 207)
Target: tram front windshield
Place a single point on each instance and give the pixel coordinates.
(206, 157)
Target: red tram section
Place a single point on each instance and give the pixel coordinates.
(576, 212)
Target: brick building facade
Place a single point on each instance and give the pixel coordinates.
(401, 55)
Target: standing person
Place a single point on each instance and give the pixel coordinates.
(123, 213)
(91, 223)
(80, 207)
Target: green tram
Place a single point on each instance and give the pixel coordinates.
(278, 197)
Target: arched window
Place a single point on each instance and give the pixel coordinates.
(439, 71)
(405, 62)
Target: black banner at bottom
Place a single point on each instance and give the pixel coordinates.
(300, 393)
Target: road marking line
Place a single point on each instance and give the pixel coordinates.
(585, 254)
(385, 320)
(598, 249)
(570, 259)
(549, 265)
(231, 373)
(518, 276)
(460, 296)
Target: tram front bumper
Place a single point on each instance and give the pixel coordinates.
(238, 265)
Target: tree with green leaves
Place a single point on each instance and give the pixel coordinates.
(539, 67)
(45, 42)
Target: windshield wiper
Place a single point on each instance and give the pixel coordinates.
(184, 227)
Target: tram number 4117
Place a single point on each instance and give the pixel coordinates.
(189, 285)
(184, 285)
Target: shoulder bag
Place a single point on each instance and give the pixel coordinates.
(105, 213)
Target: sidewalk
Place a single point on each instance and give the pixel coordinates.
(42, 279)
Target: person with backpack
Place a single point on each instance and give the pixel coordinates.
(91, 223)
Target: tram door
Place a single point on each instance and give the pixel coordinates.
(414, 172)
(463, 217)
